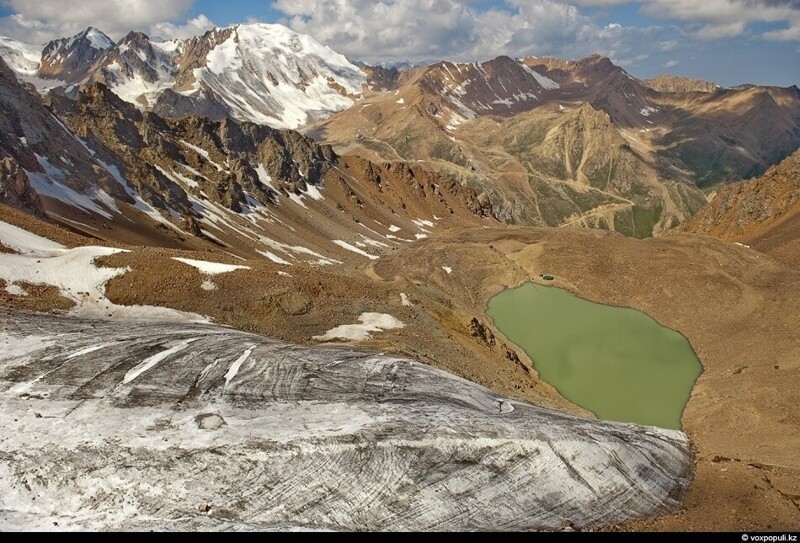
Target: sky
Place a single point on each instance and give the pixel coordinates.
(729, 42)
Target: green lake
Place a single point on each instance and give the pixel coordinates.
(617, 362)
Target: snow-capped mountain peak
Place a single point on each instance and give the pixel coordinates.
(97, 39)
(272, 75)
(263, 73)
(71, 59)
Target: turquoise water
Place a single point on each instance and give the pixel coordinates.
(617, 362)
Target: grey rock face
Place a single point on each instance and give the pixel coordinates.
(137, 425)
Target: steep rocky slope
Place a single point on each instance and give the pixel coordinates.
(116, 173)
(763, 212)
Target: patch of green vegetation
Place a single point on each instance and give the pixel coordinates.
(623, 223)
(520, 136)
(599, 177)
(588, 200)
(447, 151)
(639, 191)
(536, 164)
(575, 155)
(644, 219)
(639, 220)
(553, 206)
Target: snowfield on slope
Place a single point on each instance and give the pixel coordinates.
(73, 271)
(270, 74)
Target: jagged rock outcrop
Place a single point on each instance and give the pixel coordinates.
(185, 426)
(16, 190)
(109, 169)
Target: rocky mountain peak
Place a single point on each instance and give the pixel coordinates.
(70, 59)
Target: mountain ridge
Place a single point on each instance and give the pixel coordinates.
(506, 128)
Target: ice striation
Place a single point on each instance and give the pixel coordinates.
(111, 425)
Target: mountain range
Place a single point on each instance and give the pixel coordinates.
(545, 141)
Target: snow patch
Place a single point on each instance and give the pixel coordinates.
(24, 242)
(298, 249)
(203, 153)
(313, 192)
(16, 290)
(448, 269)
(74, 274)
(545, 82)
(298, 199)
(91, 349)
(98, 39)
(210, 268)
(646, 111)
(404, 299)
(275, 258)
(345, 245)
(264, 177)
(370, 322)
(49, 184)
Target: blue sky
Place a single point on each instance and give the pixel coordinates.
(727, 41)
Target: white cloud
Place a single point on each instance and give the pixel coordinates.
(420, 30)
(721, 18)
(192, 27)
(671, 63)
(792, 33)
(718, 31)
(42, 20)
(722, 11)
(669, 45)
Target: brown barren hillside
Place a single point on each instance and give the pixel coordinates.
(763, 213)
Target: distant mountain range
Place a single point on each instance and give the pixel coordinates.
(258, 72)
(540, 141)
(558, 142)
